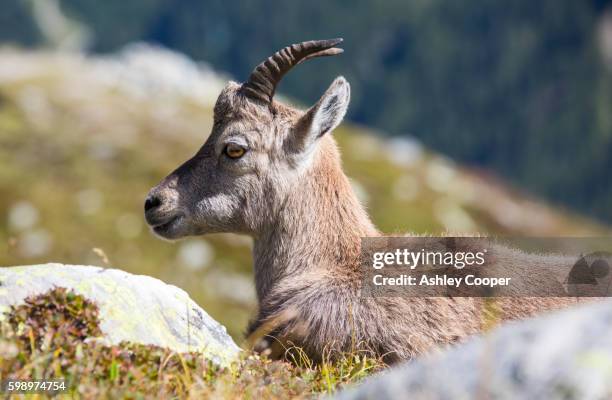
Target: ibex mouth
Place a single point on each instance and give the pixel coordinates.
(166, 229)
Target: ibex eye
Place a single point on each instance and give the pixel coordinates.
(233, 150)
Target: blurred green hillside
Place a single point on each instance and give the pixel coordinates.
(82, 139)
(523, 88)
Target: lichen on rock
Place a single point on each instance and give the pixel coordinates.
(563, 355)
(132, 308)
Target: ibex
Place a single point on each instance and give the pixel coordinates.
(273, 172)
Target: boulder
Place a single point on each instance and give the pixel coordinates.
(565, 355)
(134, 308)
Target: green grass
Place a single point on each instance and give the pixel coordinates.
(53, 336)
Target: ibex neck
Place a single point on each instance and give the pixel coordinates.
(318, 228)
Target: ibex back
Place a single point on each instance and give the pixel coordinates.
(273, 172)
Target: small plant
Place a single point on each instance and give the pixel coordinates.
(56, 336)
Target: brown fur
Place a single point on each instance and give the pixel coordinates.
(311, 272)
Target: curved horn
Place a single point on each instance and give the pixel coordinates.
(265, 77)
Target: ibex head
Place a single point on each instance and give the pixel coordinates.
(254, 156)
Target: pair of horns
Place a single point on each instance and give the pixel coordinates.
(262, 82)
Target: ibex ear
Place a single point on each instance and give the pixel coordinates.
(324, 116)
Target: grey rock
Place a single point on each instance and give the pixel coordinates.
(565, 355)
(134, 308)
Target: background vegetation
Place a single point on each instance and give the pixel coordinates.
(522, 88)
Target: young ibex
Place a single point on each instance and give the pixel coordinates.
(273, 172)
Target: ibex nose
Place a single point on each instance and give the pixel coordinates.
(152, 201)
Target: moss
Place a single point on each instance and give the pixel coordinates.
(57, 335)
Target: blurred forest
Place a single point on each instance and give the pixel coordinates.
(523, 88)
